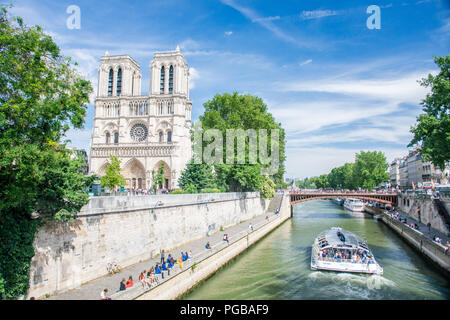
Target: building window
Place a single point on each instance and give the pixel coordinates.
(132, 84)
(169, 136)
(110, 82)
(116, 138)
(163, 76)
(107, 138)
(119, 81)
(160, 137)
(171, 79)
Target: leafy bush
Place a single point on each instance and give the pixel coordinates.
(177, 191)
(190, 189)
(210, 190)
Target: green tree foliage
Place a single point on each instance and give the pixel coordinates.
(341, 177)
(432, 130)
(267, 188)
(370, 169)
(158, 178)
(199, 175)
(113, 178)
(41, 97)
(234, 111)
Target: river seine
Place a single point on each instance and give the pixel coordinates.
(278, 266)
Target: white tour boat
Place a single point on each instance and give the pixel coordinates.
(340, 250)
(355, 205)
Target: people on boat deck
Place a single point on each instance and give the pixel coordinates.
(339, 255)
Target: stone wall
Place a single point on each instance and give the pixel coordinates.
(129, 230)
(435, 252)
(428, 210)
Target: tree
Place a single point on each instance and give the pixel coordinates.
(199, 175)
(41, 97)
(112, 177)
(370, 169)
(158, 179)
(246, 112)
(432, 130)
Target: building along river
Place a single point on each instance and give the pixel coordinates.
(278, 266)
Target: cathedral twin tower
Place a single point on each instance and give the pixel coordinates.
(144, 132)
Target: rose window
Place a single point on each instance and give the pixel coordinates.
(139, 132)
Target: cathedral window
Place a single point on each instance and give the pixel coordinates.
(171, 79)
(132, 84)
(169, 136)
(116, 138)
(110, 82)
(119, 81)
(160, 137)
(107, 138)
(163, 76)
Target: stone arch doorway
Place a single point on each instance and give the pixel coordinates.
(167, 176)
(134, 174)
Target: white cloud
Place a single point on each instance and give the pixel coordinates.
(305, 62)
(193, 75)
(317, 14)
(308, 162)
(266, 19)
(228, 33)
(401, 89)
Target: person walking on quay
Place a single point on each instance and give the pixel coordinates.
(225, 238)
(250, 227)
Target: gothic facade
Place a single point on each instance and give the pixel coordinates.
(144, 132)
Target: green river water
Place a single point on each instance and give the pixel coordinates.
(278, 266)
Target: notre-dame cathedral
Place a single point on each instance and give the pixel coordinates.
(142, 131)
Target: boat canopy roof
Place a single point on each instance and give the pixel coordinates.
(337, 237)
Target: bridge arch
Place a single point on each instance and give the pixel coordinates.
(391, 199)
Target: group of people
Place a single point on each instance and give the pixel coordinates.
(344, 255)
(162, 269)
(152, 277)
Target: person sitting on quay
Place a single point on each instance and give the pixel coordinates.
(447, 248)
(169, 258)
(169, 266)
(104, 295)
(123, 285)
(151, 276)
(180, 262)
(186, 255)
(130, 282)
(208, 246)
(144, 280)
(183, 257)
(164, 269)
(158, 272)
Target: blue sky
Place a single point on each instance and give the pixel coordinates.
(336, 86)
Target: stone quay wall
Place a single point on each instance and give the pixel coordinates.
(408, 204)
(128, 230)
(435, 252)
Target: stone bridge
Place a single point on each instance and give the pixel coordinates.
(302, 196)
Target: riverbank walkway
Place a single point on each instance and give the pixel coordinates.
(429, 233)
(92, 289)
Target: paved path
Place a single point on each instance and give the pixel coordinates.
(424, 229)
(92, 289)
